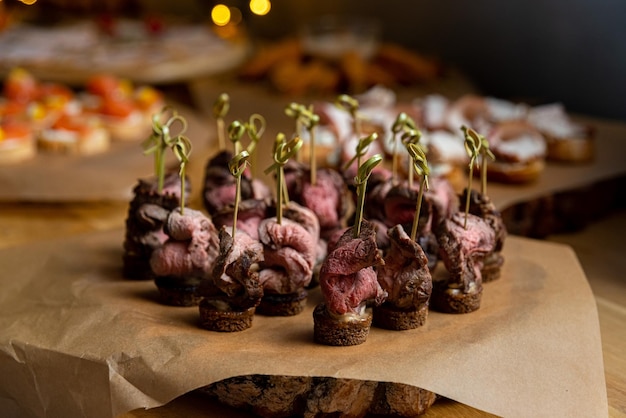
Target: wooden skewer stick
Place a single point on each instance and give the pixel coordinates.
(160, 138)
(181, 146)
(295, 110)
(360, 180)
(220, 109)
(420, 165)
(284, 196)
(402, 123)
(284, 151)
(255, 129)
(361, 149)
(411, 136)
(237, 166)
(235, 131)
(350, 105)
(485, 153)
(472, 146)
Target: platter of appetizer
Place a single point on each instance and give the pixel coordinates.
(372, 289)
(141, 51)
(332, 56)
(522, 138)
(61, 142)
(360, 248)
(303, 225)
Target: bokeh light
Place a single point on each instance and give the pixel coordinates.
(220, 14)
(260, 7)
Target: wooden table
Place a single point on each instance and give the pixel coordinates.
(600, 248)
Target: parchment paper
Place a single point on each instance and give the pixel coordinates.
(78, 340)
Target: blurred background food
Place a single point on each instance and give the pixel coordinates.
(556, 50)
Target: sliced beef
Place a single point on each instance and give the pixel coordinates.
(333, 239)
(442, 198)
(147, 213)
(483, 207)
(310, 222)
(303, 216)
(219, 184)
(234, 280)
(463, 250)
(260, 190)
(382, 239)
(329, 198)
(289, 252)
(191, 247)
(149, 218)
(405, 276)
(378, 186)
(347, 277)
(400, 204)
(250, 214)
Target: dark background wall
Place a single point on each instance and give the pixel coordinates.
(573, 51)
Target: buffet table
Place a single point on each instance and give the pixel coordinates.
(90, 230)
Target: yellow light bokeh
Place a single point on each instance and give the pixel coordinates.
(260, 7)
(220, 14)
(28, 2)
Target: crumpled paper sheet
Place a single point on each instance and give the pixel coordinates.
(78, 340)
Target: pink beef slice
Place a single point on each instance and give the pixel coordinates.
(347, 278)
(463, 250)
(400, 204)
(191, 248)
(172, 183)
(150, 218)
(324, 199)
(290, 253)
(219, 184)
(405, 276)
(443, 199)
(234, 278)
(329, 198)
(304, 216)
(251, 213)
(260, 190)
(483, 207)
(377, 189)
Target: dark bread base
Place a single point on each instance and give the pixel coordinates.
(389, 317)
(452, 300)
(571, 150)
(514, 173)
(274, 304)
(136, 267)
(492, 267)
(176, 291)
(224, 321)
(332, 331)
